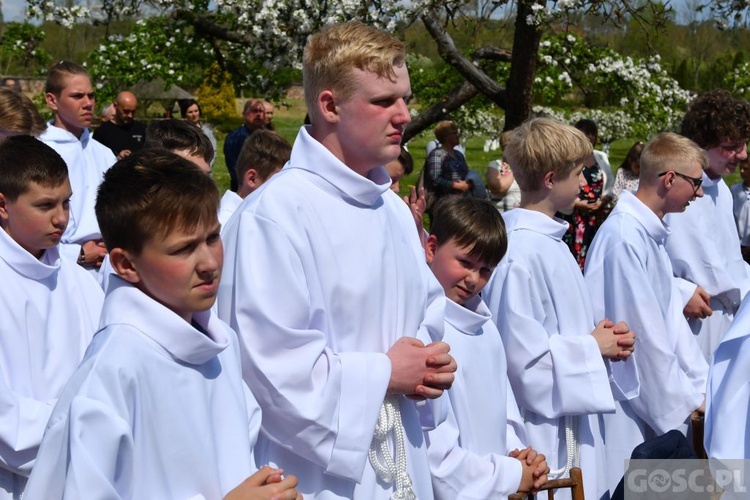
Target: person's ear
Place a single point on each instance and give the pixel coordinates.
(3, 208)
(328, 107)
(430, 248)
(252, 179)
(122, 263)
(548, 180)
(51, 99)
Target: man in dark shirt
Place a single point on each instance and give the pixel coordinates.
(254, 114)
(122, 134)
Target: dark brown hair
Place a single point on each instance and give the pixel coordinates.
(151, 193)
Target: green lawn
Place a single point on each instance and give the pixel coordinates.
(289, 119)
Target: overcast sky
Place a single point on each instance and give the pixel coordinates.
(13, 10)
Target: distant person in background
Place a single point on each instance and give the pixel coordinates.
(254, 114)
(18, 115)
(626, 178)
(108, 112)
(123, 134)
(269, 115)
(12, 83)
(445, 168)
(741, 202)
(589, 210)
(590, 129)
(191, 112)
(504, 191)
(398, 168)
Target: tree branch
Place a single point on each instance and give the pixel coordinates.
(205, 25)
(493, 54)
(450, 54)
(453, 101)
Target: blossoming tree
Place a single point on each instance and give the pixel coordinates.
(256, 40)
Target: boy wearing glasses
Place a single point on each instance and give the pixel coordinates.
(630, 277)
(704, 248)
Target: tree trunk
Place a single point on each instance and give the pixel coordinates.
(520, 88)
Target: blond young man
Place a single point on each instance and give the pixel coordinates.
(557, 352)
(630, 277)
(334, 344)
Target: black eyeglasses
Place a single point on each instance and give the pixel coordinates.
(695, 181)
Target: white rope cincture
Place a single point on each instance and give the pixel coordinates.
(572, 447)
(386, 468)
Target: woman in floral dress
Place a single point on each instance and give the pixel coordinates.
(588, 213)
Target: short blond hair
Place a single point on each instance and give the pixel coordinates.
(544, 145)
(332, 54)
(670, 151)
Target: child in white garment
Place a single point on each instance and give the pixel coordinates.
(479, 451)
(555, 349)
(49, 306)
(157, 408)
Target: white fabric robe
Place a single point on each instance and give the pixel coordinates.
(704, 250)
(630, 278)
(727, 425)
(229, 203)
(50, 310)
(469, 451)
(602, 160)
(741, 206)
(87, 160)
(323, 272)
(543, 312)
(156, 410)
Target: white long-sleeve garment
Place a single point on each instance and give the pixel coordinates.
(704, 250)
(741, 206)
(727, 430)
(323, 272)
(543, 312)
(50, 310)
(87, 160)
(630, 278)
(469, 451)
(157, 409)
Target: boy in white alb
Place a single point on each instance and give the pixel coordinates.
(326, 285)
(70, 96)
(262, 155)
(556, 352)
(157, 408)
(630, 277)
(49, 306)
(703, 246)
(479, 450)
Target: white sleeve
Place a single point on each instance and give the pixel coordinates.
(552, 374)
(22, 424)
(461, 474)
(660, 341)
(88, 454)
(321, 404)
